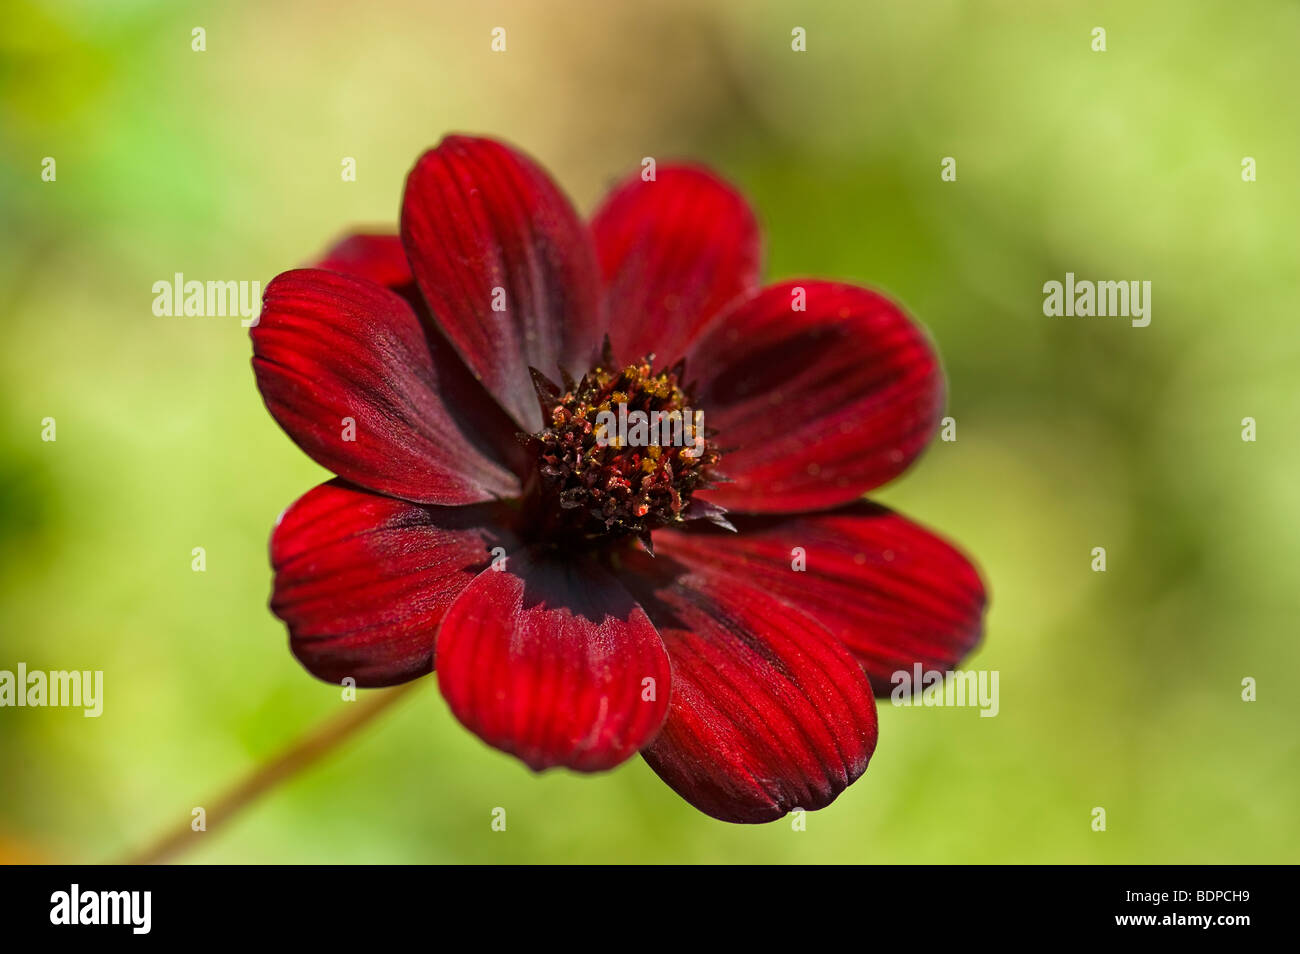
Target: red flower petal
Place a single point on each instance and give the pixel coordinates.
(362, 580)
(893, 592)
(769, 712)
(549, 660)
(382, 259)
(817, 406)
(674, 252)
(479, 216)
(330, 347)
(379, 258)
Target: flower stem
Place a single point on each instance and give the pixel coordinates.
(307, 750)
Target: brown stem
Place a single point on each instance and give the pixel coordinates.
(298, 756)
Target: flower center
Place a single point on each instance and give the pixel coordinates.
(621, 454)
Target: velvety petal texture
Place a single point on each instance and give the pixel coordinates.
(506, 266)
(382, 259)
(741, 665)
(818, 392)
(674, 251)
(377, 257)
(769, 711)
(330, 348)
(893, 592)
(363, 580)
(553, 662)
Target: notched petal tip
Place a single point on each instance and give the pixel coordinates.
(769, 712)
(547, 660)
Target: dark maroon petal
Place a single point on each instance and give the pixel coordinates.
(817, 406)
(382, 259)
(362, 580)
(379, 258)
(330, 347)
(479, 216)
(769, 711)
(674, 252)
(553, 662)
(893, 592)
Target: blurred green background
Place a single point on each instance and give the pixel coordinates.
(1119, 689)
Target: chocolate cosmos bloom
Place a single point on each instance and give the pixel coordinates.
(726, 615)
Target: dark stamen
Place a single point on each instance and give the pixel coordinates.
(602, 473)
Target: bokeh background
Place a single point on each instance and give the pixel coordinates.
(1119, 689)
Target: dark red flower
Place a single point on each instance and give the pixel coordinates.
(481, 521)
